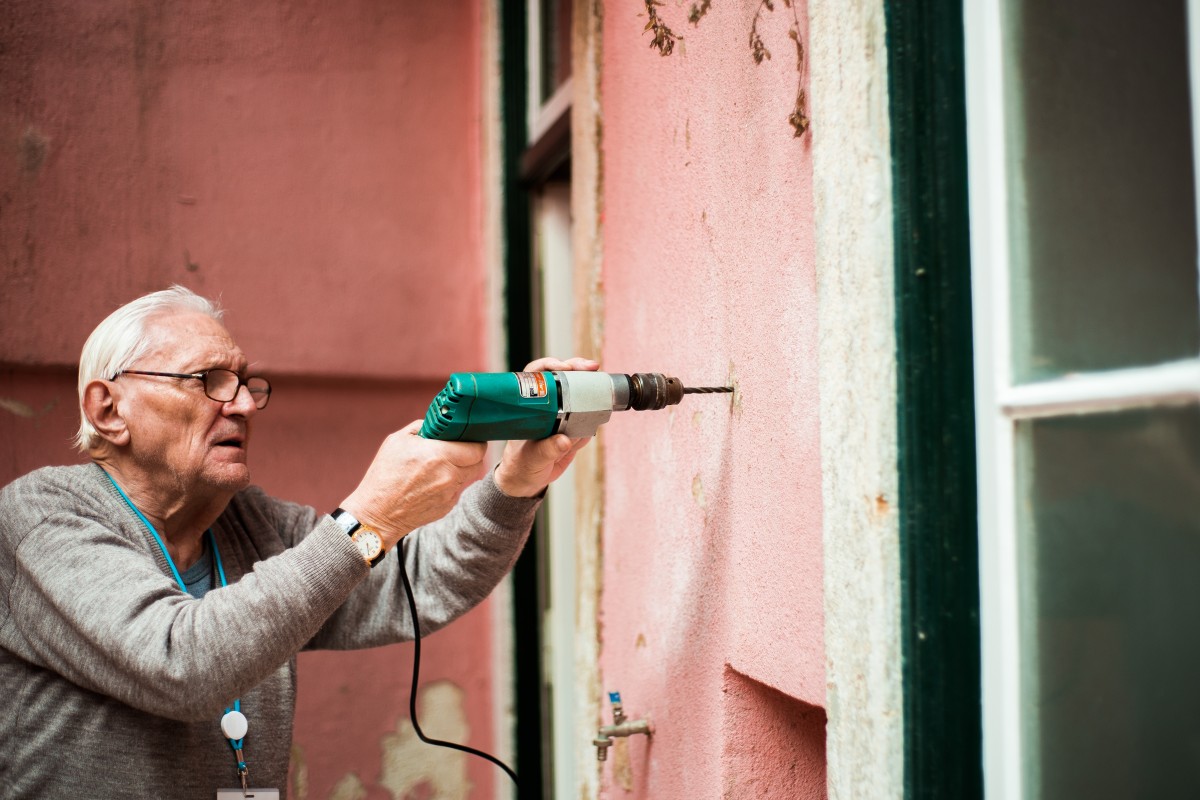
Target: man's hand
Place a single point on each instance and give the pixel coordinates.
(413, 481)
(527, 468)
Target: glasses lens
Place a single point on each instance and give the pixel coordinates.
(260, 390)
(221, 385)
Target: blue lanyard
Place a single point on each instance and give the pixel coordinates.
(236, 744)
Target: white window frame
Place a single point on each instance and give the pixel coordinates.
(554, 287)
(1001, 402)
(552, 248)
(540, 116)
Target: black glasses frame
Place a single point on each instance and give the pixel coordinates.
(260, 390)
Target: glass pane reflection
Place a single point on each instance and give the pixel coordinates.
(1109, 549)
(555, 45)
(1103, 222)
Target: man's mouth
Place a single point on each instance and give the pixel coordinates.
(233, 441)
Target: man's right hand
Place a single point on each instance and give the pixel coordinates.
(413, 481)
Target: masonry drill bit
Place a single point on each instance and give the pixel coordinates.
(706, 389)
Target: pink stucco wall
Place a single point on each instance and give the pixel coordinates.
(314, 165)
(712, 587)
(317, 167)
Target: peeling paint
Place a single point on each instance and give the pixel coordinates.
(34, 146)
(349, 788)
(299, 776)
(409, 763)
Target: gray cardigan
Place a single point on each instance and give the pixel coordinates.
(113, 681)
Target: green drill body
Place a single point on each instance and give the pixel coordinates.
(492, 406)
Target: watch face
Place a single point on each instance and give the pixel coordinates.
(369, 543)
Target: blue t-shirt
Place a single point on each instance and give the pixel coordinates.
(198, 578)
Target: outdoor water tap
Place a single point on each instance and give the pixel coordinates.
(620, 728)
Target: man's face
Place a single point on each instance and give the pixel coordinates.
(182, 439)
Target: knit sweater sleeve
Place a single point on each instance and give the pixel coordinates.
(87, 594)
(452, 564)
(84, 595)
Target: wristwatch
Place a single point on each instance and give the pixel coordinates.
(367, 540)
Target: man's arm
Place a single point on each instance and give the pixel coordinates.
(452, 563)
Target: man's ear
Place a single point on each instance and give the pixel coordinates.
(102, 408)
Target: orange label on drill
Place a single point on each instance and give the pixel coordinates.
(531, 384)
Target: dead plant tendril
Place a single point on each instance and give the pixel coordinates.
(664, 41)
(664, 38)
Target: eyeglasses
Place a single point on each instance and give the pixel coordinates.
(221, 385)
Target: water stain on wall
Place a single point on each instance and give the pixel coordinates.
(19, 409)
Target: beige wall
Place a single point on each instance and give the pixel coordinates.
(852, 186)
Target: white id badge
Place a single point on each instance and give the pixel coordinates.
(249, 794)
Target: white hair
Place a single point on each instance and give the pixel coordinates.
(121, 339)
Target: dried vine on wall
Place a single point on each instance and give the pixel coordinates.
(664, 42)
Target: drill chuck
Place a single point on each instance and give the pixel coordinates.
(650, 391)
(489, 406)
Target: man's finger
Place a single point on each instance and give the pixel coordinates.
(551, 364)
(460, 454)
(464, 454)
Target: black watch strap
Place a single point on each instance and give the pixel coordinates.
(347, 520)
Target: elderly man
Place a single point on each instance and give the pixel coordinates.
(152, 602)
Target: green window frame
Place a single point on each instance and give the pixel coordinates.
(936, 425)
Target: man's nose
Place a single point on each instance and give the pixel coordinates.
(242, 403)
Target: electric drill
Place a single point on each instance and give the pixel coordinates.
(491, 406)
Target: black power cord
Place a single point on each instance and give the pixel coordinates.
(412, 697)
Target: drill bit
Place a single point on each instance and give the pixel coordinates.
(706, 389)
(650, 391)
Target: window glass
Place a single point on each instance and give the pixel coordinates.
(1109, 549)
(555, 45)
(1101, 197)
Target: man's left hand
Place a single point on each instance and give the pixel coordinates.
(527, 468)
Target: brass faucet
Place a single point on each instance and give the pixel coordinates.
(620, 728)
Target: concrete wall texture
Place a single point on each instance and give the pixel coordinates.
(711, 613)
(855, 262)
(317, 167)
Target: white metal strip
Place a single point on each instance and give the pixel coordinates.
(990, 257)
(533, 63)
(1165, 384)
